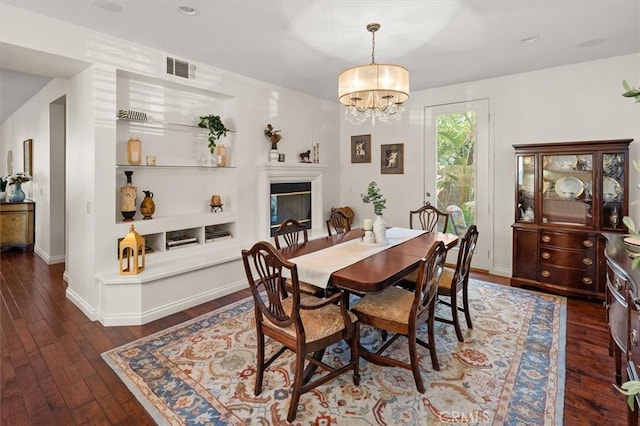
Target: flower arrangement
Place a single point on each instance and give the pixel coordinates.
(374, 197)
(631, 92)
(19, 178)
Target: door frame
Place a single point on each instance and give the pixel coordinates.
(483, 259)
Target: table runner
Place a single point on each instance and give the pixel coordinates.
(316, 268)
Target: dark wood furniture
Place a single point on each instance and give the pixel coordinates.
(295, 323)
(454, 283)
(429, 218)
(623, 316)
(567, 196)
(17, 225)
(339, 221)
(379, 271)
(402, 312)
(291, 232)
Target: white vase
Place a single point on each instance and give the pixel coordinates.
(380, 230)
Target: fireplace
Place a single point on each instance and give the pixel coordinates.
(309, 174)
(290, 201)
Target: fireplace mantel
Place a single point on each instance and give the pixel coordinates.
(273, 172)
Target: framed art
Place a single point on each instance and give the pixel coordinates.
(361, 149)
(27, 156)
(392, 159)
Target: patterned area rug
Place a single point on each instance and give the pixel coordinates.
(509, 370)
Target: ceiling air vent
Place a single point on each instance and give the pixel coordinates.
(180, 68)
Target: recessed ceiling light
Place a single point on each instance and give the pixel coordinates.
(530, 39)
(107, 5)
(187, 10)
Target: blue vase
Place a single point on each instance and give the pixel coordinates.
(17, 195)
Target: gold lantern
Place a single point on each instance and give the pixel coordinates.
(131, 253)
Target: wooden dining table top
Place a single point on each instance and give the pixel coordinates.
(380, 270)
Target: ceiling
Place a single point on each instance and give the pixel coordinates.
(304, 45)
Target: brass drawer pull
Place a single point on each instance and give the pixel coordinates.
(546, 238)
(546, 255)
(587, 280)
(587, 243)
(545, 274)
(587, 261)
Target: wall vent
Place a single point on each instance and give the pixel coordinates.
(181, 68)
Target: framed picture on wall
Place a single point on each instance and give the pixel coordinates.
(361, 149)
(27, 147)
(392, 159)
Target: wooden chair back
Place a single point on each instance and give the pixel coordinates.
(466, 248)
(429, 218)
(290, 231)
(431, 267)
(339, 222)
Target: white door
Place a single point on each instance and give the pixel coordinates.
(457, 169)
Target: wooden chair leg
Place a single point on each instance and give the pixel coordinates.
(617, 353)
(259, 377)
(297, 386)
(355, 353)
(432, 340)
(467, 313)
(413, 356)
(455, 317)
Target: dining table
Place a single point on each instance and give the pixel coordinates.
(344, 261)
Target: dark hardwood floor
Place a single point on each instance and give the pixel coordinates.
(52, 372)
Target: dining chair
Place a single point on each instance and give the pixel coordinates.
(348, 211)
(402, 312)
(455, 282)
(339, 222)
(293, 233)
(290, 231)
(303, 324)
(429, 218)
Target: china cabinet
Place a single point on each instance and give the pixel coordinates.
(567, 195)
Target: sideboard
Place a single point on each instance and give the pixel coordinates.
(623, 312)
(17, 225)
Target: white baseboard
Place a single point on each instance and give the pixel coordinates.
(50, 260)
(86, 309)
(177, 306)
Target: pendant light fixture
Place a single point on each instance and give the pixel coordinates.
(374, 90)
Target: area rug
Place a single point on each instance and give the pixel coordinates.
(509, 370)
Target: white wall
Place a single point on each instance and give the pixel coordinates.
(570, 103)
(91, 137)
(31, 121)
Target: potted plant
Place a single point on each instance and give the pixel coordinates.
(216, 129)
(631, 92)
(374, 197)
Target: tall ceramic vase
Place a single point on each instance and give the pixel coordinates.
(17, 195)
(380, 230)
(128, 195)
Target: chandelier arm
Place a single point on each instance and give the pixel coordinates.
(373, 47)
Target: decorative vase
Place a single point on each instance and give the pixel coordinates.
(17, 194)
(128, 195)
(134, 151)
(147, 206)
(380, 230)
(221, 155)
(3, 196)
(273, 155)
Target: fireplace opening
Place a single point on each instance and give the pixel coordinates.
(290, 201)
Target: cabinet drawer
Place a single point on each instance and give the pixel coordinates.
(568, 241)
(568, 277)
(616, 283)
(617, 314)
(584, 259)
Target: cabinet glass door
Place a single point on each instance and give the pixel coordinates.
(526, 188)
(612, 190)
(567, 182)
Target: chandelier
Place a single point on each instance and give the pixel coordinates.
(375, 90)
